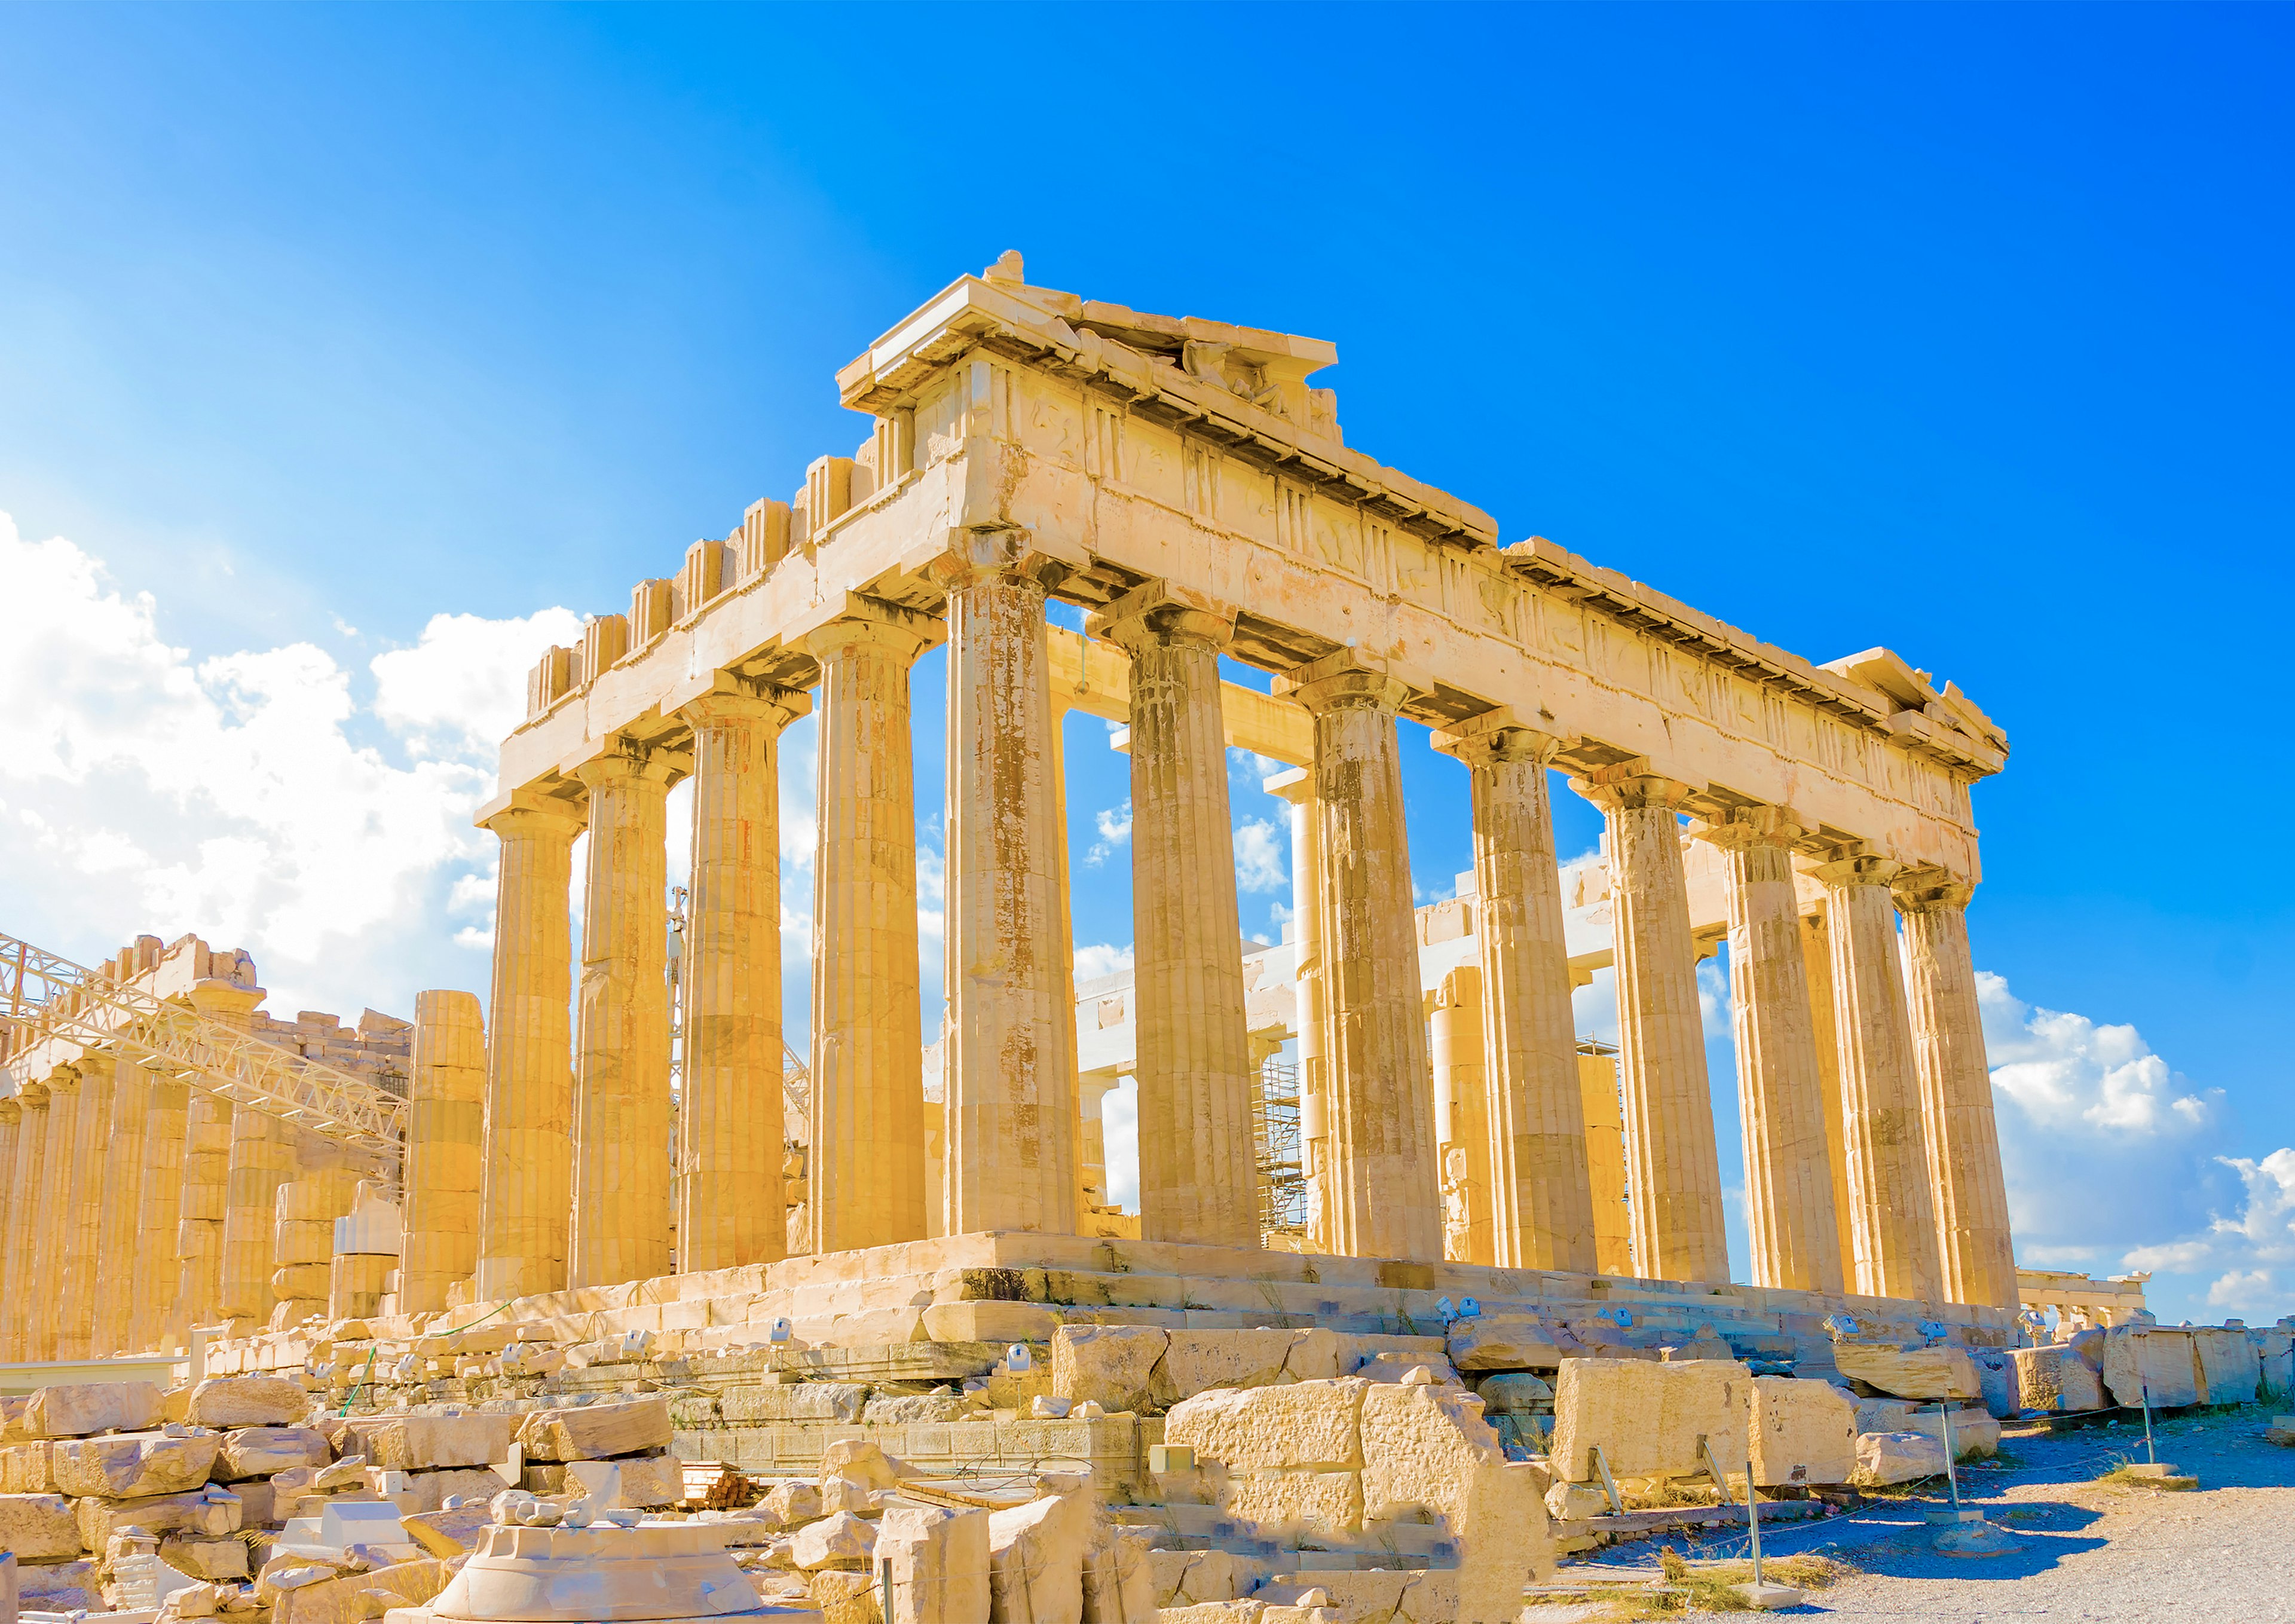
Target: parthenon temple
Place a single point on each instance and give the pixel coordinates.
(601, 1135)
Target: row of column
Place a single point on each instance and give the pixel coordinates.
(577, 1188)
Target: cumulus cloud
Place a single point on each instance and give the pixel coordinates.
(1115, 824)
(255, 796)
(1119, 1119)
(1102, 958)
(1259, 864)
(2065, 1071)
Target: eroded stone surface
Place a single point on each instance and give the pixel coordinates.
(248, 1400)
(1647, 1418)
(1803, 1431)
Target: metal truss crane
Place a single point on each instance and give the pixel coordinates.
(45, 994)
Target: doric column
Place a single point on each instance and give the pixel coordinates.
(11, 1129)
(1971, 1192)
(1011, 1077)
(1384, 1185)
(1673, 1168)
(621, 1085)
(1063, 938)
(262, 1159)
(526, 1192)
(159, 1272)
(1893, 1217)
(1780, 1090)
(1462, 1125)
(1198, 1168)
(1816, 972)
(205, 1199)
(121, 1219)
(446, 1150)
(304, 1209)
(82, 1251)
(22, 1196)
(730, 1116)
(55, 1212)
(1297, 787)
(867, 1128)
(1541, 1198)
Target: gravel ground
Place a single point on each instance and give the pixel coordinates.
(2224, 1553)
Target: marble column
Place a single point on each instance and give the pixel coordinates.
(1462, 1119)
(1384, 1184)
(1816, 972)
(446, 1150)
(22, 1196)
(1970, 1191)
(1540, 1193)
(1780, 1090)
(867, 1124)
(11, 1127)
(527, 1186)
(204, 1200)
(1199, 1167)
(120, 1227)
(55, 1212)
(1673, 1166)
(1297, 788)
(1011, 1076)
(730, 1118)
(262, 1159)
(1893, 1217)
(303, 1211)
(82, 1251)
(1063, 940)
(622, 1211)
(159, 1274)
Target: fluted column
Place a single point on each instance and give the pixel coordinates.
(26, 1185)
(1893, 1216)
(55, 1213)
(867, 1124)
(1462, 1125)
(81, 1253)
(1816, 971)
(622, 1210)
(121, 1179)
(206, 1199)
(446, 1150)
(159, 1275)
(1971, 1192)
(262, 1159)
(525, 1199)
(1780, 1090)
(1673, 1166)
(730, 1116)
(1384, 1184)
(1297, 788)
(1540, 1193)
(1011, 1077)
(11, 1131)
(1198, 1164)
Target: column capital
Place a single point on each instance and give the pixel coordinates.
(1629, 786)
(1157, 614)
(32, 1094)
(738, 699)
(530, 811)
(63, 1080)
(622, 761)
(1347, 680)
(1929, 889)
(975, 556)
(858, 620)
(1857, 870)
(12, 1110)
(1497, 735)
(1752, 825)
(1295, 784)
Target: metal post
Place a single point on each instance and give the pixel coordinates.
(1601, 1465)
(2151, 1453)
(1753, 1507)
(1951, 1473)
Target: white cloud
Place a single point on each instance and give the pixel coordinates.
(2065, 1071)
(1119, 1128)
(251, 797)
(1115, 824)
(1713, 998)
(1102, 958)
(1258, 863)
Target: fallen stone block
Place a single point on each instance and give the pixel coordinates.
(204, 1558)
(356, 1597)
(863, 1462)
(2161, 1358)
(131, 1464)
(1184, 1578)
(209, 1511)
(258, 1451)
(423, 1443)
(1298, 1425)
(595, 1432)
(1803, 1431)
(1118, 1586)
(793, 1502)
(1941, 1372)
(64, 1587)
(843, 1597)
(38, 1527)
(1516, 1393)
(1112, 1365)
(76, 1409)
(1417, 1596)
(840, 1541)
(27, 1468)
(1575, 1502)
(1428, 1449)
(1328, 1503)
(2230, 1371)
(937, 1560)
(1503, 1341)
(225, 1402)
(1648, 1417)
(1035, 1561)
(1897, 1457)
(1198, 1361)
(448, 1534)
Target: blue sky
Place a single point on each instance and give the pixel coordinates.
(1964, 332)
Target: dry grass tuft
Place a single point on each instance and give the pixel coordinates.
(1708, 1586)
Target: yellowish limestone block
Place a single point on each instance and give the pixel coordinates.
(203, 1200)
(1113, 1365)
(1926, 1374)
(1803, 1431)
(258, 1451)
(1119, 1585)
(247, 1400)
(1299, 1426)
(210, 1511)
(131, 1464)
(38, 1527)
(1430, 1446)
(262, 1159)
(1897, 1457)
(1035, 1561)
(1328, 1503)
(78, 1410)
(596, 1431)
(120, 1209)
(1647, 1417)
(446, 1150)
(420, 1443)
(2156, 1359)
